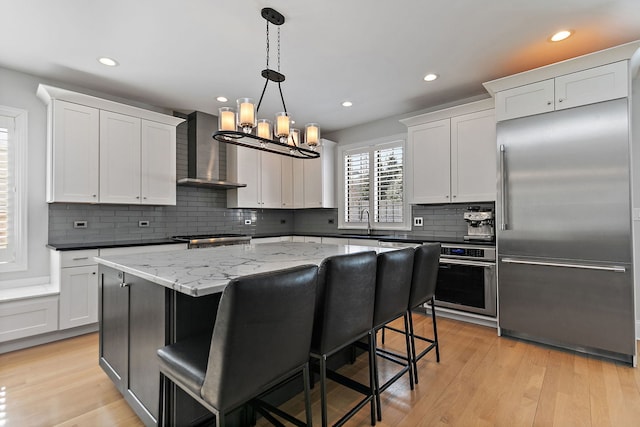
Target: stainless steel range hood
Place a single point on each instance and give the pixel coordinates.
(204, 154)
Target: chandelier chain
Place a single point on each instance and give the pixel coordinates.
(278, 49)
(267, 45)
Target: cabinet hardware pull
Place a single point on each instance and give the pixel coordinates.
(503, 189)
(560, 99)
(137, 197)
(95, 195)
(548, 102)
(80, 258)
(94, 273)
(124, 285)
(614, 268)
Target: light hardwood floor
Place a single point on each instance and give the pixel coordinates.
(482, 380)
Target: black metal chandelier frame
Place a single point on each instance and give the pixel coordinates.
(249, 140)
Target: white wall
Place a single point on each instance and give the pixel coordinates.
(18, 90)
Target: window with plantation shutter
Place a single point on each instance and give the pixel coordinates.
(388, 185)
(356, 192)
(373, 186)
(12, 190)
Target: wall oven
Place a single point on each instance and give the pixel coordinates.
(467, 279)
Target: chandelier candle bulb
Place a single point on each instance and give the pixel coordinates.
(312, 134)
(282, 125)
(226, 118)
(264, 129)
(294, 138)
(246, 114)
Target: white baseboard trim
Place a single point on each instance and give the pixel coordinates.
(35, 340)
(638, 330)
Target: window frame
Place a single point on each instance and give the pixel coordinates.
(19, 208)
(371, 146)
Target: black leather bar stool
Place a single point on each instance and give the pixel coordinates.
(393, 286)
(423, 288)
(261, 338)
(344, 315)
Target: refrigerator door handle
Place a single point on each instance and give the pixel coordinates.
(503, 180)
(614, 268)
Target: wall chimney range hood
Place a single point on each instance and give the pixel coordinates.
(204, 154)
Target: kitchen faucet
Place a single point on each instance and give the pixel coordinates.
(368, 220)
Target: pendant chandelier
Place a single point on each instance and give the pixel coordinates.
(241, 127)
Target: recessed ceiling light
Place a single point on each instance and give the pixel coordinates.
(561, 35)
(430, 77)
(347, 104)
(221, 99)
(110, 62)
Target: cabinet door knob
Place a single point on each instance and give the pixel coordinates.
(95, 195)
(454, 196)
(137, 197)
(560, 99)
(549, 102)
(446, 197)
(94, 273)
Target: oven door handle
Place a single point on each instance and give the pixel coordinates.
(466, 262)
(614, 268)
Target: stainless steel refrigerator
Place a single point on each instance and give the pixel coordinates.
(564, 230)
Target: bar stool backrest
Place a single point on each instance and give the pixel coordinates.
(393, 285)
(262, 332)
(344, 306)
(425, 273)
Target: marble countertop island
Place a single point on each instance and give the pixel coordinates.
(205, 271)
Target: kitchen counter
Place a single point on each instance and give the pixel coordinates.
(406, 238)
(204, 271)
(109, 244)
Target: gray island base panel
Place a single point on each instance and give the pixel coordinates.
(204, 271)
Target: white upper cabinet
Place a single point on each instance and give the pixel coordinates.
(473, 157)
(589, 86)
(429, 155)
(243, 165)
(158, 164)
(319, 178)
(73, 148)
(261, 171)
(119, 158)
(451, 155)
(592, 85)
(298, 183)
(99, 151)
(526, 100)
(271, 180)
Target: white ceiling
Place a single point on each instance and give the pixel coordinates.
(182, 54)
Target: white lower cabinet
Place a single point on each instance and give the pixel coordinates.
(78, 296)
(76, 274)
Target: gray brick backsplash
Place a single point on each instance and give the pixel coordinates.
(202, 211)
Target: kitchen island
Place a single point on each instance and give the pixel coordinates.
(149, 300)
